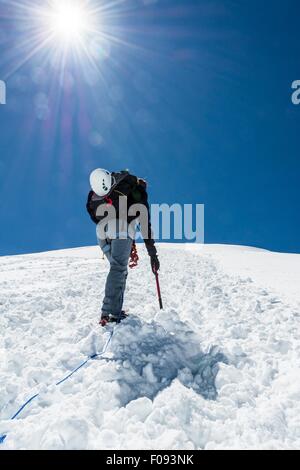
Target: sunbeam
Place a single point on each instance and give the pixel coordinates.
(67, 20)
(56, 28)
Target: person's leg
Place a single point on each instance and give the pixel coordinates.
(119, 254)
(105, 246)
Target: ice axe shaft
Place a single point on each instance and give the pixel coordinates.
(158, 290)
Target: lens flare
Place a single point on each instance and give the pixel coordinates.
(61, 32)
(68, 20)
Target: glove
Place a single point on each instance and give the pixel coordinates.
(155, 264)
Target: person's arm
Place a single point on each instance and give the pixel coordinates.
(148, 234)
(92, 205)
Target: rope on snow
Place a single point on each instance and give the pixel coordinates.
(94, 356)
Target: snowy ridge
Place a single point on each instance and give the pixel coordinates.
(216, 369)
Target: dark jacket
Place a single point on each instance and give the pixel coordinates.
(135, 189)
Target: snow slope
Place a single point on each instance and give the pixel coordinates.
(219, 368)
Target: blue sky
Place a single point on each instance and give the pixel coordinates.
(195, 96)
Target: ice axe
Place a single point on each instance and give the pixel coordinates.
(158, 289)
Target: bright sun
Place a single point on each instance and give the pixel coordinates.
(67, 31)
(69, 20)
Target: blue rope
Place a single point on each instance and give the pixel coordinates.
(23, 406)
(94, 356)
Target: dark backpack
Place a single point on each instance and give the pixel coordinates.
(125, 185)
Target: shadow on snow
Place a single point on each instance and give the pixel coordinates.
(151, 357)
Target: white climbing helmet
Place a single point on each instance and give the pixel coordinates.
(101, 181)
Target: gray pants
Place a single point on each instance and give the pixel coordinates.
(117, 252)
